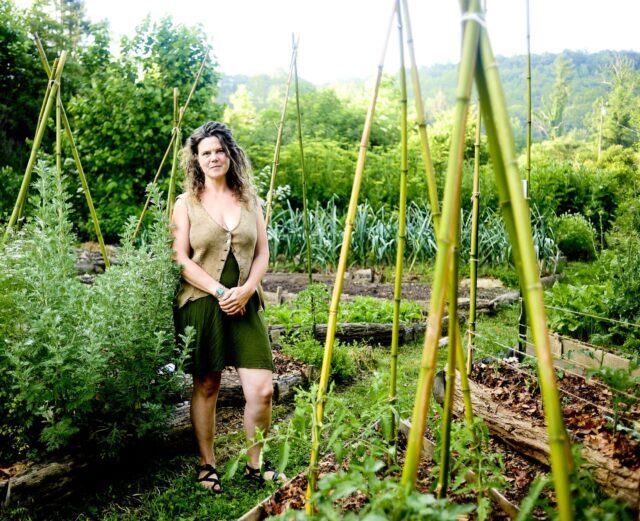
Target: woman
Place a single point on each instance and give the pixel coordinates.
(220, 240)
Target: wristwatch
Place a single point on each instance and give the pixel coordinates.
(219, 292)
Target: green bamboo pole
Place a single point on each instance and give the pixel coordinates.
(171, 192)
(76, 158)
(446, 243)
(305, 205)
(522, 319)
(37, 141)
(402, 215)
(276, 153)
(174, 138)
(473, 255)
(447, 414)
(516, 213)
(58, 135)
(339, 281)
(430, 175)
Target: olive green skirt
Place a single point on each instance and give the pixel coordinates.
(221, 340)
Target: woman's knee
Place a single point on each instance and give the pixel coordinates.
(207, 386)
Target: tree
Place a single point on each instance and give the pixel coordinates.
(123, 122)
(622, 120)
(551, 115)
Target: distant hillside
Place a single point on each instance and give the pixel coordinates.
(585, 77)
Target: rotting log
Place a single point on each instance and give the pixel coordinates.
(52, 481)
(529, 437)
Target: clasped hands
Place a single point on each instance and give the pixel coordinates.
(234, 300)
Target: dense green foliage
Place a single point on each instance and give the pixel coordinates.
(83, 364)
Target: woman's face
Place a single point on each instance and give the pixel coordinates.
(212, 158)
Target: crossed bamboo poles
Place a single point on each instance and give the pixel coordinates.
(477, 63)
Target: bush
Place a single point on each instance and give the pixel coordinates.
(83, 364)
(575, 237)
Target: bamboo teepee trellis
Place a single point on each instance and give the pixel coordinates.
(52, 95)
(477, 62)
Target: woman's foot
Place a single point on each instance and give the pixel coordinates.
(208, 477)
(269, 473)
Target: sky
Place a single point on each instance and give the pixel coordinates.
(342, 39)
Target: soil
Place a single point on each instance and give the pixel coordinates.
(411, 288)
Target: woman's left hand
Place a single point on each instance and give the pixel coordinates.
(234, 300)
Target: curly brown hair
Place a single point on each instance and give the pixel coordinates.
(239, 173)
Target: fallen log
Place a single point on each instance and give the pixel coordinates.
(529, 437)
(51, 481)
(377, 334)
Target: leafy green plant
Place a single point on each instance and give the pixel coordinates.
(576, 237)
(84, 365)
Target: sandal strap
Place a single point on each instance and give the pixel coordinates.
(208, 477)
(268, 467)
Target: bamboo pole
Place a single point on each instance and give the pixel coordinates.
(276, 153)
(529, 119)
(446, 242)
(37, 141)
(473, 255)
(402, 215)
(174, 137)
(516, 213)
(337, 288)
(171, 192)
(453, 333)
(76, 158)
(432, 187)
(305, 205)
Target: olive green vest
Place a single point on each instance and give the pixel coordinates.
(211, 242)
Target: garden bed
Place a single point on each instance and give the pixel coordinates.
(507, 398)
(52, 480)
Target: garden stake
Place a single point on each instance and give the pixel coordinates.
(447, 414)
(171, 192)
(339, 281)
(473, 254)
(76, 158)
(174, 137)
(276, 153)
(517, 220)
(446, 242)
(305, 207)
(432, 187)
(37, 141)
(402, 220)
(522, 319)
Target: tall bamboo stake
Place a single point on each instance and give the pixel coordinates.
(58, 135)
(402, 215)
(337, 288)
(473, 255)
(37, 141)
(305, 205)
(171, 192)
(446, 243)
(529, 119)
(453, 333)
(276, 152)
(76, 158)
(516, 213)
(173, 139)
(432, 188)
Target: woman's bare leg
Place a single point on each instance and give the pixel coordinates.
(203, 416)
(257, 386)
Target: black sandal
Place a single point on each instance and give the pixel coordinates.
(211, 476)
(257, 475)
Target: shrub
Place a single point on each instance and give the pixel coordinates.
(575, 237)
(83, 364)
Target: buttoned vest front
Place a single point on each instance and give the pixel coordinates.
(211, 243)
